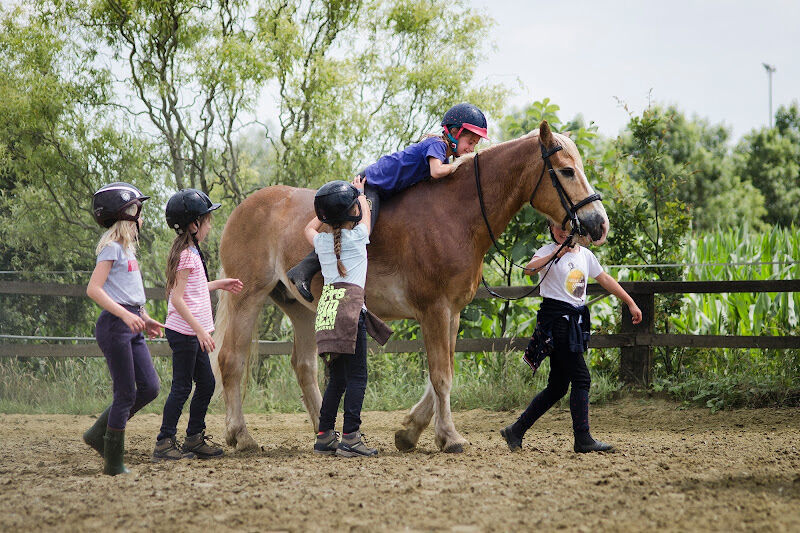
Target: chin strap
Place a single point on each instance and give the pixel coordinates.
(453, 141)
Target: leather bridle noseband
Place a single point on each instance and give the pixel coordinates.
(566, 202)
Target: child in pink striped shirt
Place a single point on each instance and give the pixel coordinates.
(189, 326)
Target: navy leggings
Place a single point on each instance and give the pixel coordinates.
(348, 376)
(189, 363)
(133, 376)
(565, 367)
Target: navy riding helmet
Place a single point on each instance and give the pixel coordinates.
(333, 203)
(110, 202)
(186, 206)
(464, 117)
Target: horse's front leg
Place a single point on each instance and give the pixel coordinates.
(436, 330)
(420, 416)
(415, 421)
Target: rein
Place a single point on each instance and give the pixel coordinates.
(570, 208)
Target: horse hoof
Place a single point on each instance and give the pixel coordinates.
(454, 448)
(245, 443)
(403, 442)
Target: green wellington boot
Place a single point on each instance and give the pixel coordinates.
(114, 450)
(94, 435)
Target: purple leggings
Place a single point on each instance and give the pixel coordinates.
(135, 380)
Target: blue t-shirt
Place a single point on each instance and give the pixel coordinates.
(394, 172)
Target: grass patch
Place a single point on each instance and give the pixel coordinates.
(495, 381)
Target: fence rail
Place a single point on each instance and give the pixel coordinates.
(636, 340)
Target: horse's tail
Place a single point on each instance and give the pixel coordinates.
(220, 325)
(221, 322)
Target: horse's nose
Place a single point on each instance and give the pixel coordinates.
(595, 224)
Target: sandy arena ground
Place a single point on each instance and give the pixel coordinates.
(676, 469)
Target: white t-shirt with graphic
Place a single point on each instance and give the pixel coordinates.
(567, 278)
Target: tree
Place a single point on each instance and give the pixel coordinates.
(642, 193)
(770, 158)
(54, 153)
(699, 152)
(351, 78)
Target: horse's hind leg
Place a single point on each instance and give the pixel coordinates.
(236, 343)
(304, 355)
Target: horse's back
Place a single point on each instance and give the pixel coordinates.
(265, 232)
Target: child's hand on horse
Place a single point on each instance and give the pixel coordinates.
(233, 285)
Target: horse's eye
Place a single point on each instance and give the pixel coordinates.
(568, 172)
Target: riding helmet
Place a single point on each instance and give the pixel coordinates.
(334, 200)
(465, 117)
(110, 202)
(186, 206)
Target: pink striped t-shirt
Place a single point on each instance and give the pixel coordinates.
(196, 296)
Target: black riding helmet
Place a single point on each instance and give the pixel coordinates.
(333, 203)
(186, 206)
(110, 202)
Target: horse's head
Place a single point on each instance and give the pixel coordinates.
(565, 171)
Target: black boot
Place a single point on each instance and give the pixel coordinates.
(94, 435)
(584, 443)
(302, 273)
(113, 452)
(514, 442)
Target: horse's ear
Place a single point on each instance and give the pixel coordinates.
(545, 135)
(567, 134)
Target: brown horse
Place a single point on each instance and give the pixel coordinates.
(425, 261)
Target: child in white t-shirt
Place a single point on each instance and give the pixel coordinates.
(562, 330)
(340, 234)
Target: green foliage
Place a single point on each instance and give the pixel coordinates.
(770, 158)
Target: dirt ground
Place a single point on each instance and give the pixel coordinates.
(676, 469)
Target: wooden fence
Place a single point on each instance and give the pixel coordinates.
(635, 341)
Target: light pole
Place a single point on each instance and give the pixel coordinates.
(770, 69)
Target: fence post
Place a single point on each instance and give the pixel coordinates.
(636, 362)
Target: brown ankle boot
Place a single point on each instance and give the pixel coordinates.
(167, 449)
(201, 445)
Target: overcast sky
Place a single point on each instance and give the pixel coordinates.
(705, 56)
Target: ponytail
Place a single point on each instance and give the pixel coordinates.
(180, 243)
(337, 249)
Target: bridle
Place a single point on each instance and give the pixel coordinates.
(566, 202)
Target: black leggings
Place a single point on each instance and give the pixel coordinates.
(565, 367)
(348, 377)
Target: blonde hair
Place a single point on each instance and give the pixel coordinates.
(182, 241)
(125, 232)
